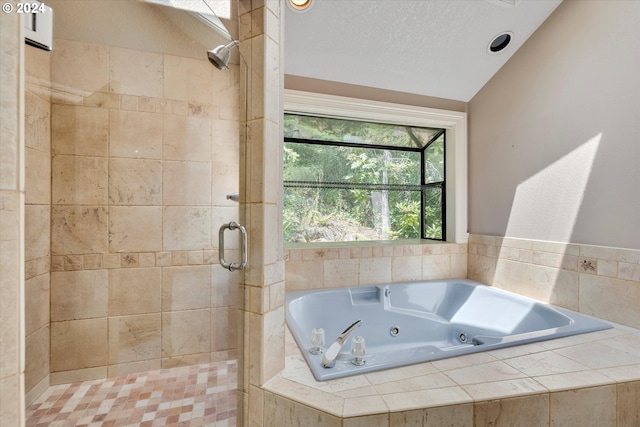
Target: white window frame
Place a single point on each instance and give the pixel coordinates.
(454, 122)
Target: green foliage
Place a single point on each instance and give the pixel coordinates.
(316, 211)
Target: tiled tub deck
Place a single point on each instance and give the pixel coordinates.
(590, 379)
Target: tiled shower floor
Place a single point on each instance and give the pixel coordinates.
(199, 395)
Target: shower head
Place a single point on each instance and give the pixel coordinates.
(220, 55)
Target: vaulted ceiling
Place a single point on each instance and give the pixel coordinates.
(428, 47)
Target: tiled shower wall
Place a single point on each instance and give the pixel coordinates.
(144, 150)
(595, 280)
(37, 218)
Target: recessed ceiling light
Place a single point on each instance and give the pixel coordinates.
(500, 42)
(299, 5)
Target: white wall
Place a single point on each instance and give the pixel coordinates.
(554, 137)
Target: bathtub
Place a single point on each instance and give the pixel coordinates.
(407, 323)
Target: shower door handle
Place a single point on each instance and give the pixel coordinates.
(231, 266)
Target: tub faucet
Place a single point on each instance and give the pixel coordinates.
(329, 358)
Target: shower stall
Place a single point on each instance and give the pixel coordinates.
(134, 144)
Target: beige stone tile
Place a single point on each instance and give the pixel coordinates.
(454, 363)
(623, 373)
(504, 389)
(527, 411)
(186, 183)
(135, 72)
(36, 357)
(451, 415)
(134, 338)
(82, 131)
(492, 371)
(134, 367)
(611, 299)
(426, 399)
(406, 268)
(36, 303)
(374, 271)
(279, 411)
(37, 63)
(135, 182)
(135, 135)
(629, 271)
(197, 87)
(37, 223)
(186, 332)
(381, 420)
(224, 180)
(415, 383)
(37, 176)
(628, 409)
(436, 267)
(186, 228)
(272, 343)
(590, 406)
(545, 363)
(186, 138)
(225, 288)
(80, 65)
(224, 328)
(365, 405)
(135, 291)
(340, 273)
(79, 294)
(79, 344)
(573, 380)
(185, 288)
(185, 360)
(79, 180)
(135, 228)
(77, 375)
(11, 401)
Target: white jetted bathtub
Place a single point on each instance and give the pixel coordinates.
(408, 323)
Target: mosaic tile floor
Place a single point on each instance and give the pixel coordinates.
(199, 395)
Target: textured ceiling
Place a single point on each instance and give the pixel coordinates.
(428, 47)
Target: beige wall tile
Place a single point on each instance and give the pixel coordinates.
(611, 299)
(77, 375)
(436, 266)
(186, 228)
(134, 291)
(79, 294)
(135, 72)
(133, 367)
(186, 183)
(186, 332)
(374, 271)
(134, 338)
(340, 273)
(79, 344)
(628, 404)
(135, 134)
(528, 411)
(79, 180)
(224, 180)
(36, 303)
(186, 288)
(36, 357)
(406, 268)
(79, 230)
(135, 182)
(186, 138)
(225, 288)
(82, 131)
(453, 415)
(590, 406)
(37, 229)
(283, 412)
(197, 87)
(135, 228)
(381, 420)
(303, 275)
(224, 328)
(81, 66)
(37, 176)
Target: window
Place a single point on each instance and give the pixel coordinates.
(349, 180)
(351, 132)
